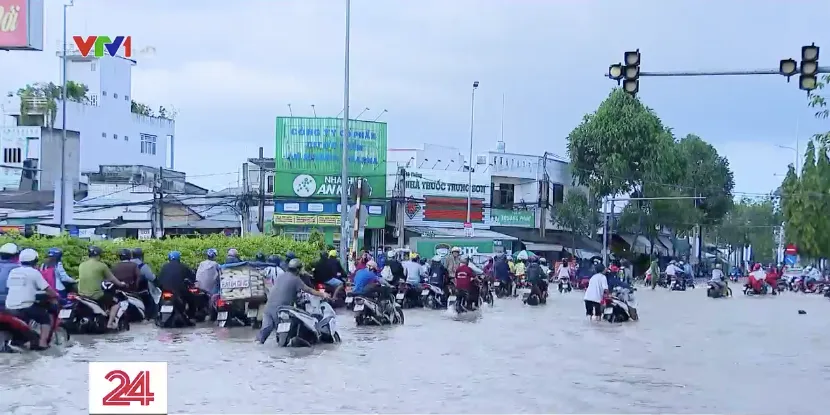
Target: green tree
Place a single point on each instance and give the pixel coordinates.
(705, 173)
(141, 109)
(803, 203)
(819, 103)
(575, 213)
(751, 222)
(42, 98)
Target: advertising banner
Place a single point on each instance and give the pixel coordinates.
(21, 24)
(438, 198)
(508, 217)
(428, 248)
(308, 157)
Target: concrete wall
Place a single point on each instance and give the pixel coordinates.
(50, 163)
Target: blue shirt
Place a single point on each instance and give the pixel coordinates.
(501, 270)
(363, 278)
(5, 268)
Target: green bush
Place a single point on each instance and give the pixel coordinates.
(155, 250)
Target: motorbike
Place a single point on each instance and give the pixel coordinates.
(826, 291)
(715, 291)
(782, 285)
(377, 312)
(809, 286)
(407, 295)
(502, 289)
(677, 283)
(170, 316)
(432, 296)
(311, 322)
(536, 296)
(620, 306)
(83, 315)
(338, 301)
(16, 334)
(565, 285)
(749, 290)
(486, 293)
(349, 300)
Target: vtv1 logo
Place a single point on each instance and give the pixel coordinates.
(127, 387)
(101, 43)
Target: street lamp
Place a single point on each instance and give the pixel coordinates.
(344, 166)
(470, 159)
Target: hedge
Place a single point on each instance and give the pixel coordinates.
(155, 250)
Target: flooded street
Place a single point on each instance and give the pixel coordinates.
(688, 354)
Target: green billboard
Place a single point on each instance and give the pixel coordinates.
(308, 157)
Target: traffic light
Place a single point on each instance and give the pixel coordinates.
(809, 68)
(631, 72)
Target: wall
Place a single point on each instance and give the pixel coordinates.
(50, 163)
(27, 140)
(438, 198)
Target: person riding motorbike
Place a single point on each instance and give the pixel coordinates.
(453, 260)
(414, 273)
(288, 257)
(8, 262)
(327, 274)
(467, 288)
(501, 272)
(438, 275)
(233, 256)
(126, 270)
(284, 294)
(613, 277)
(757, 278)
(520, 269)
(207, 273)
(24, 284)
(173, 278)
(718, 278)
(395, 269)
(91, 274)
(53, 264)
(536, 276)
(368, 283)
(336, 267)
(147, 275)
(545, 268)
(564, 272)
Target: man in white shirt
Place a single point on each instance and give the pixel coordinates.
(24, 284)
(597, 287)
(671, 269)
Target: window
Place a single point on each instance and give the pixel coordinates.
(269, 184)
(115, 96)
(104, 135)
(115, 136)
(104, 93)
(92, 67)
(503, 196)
(557, 194)
(12, 155)
(126, 97)
(126, 138)
(148, 144)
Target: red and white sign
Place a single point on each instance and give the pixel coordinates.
(21, 24)
(127, 388)
(791, 250)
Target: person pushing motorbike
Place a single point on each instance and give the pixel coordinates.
(284, 294)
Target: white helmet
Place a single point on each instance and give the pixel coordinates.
(390, 254)
(455, 249)
(9, 249)
(28, 255)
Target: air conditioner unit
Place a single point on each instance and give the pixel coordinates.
(481, 159)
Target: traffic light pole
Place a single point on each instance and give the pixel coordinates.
(821, 69)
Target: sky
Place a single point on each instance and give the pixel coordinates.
(230, 68)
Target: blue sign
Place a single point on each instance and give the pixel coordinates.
(73, 231)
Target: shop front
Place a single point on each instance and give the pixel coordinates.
(297, 219)
(471, 247)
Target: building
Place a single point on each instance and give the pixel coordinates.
(110, 130)
(31, 158)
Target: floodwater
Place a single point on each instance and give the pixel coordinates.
(688, 354)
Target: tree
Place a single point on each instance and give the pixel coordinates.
(614, 149)
(705, 173)
(141, 109)
(751, 223)
(43, 97)
(819, 102)
(576, 214)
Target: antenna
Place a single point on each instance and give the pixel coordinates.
(339, 113)
(290, 113)
(422, 163)
(314, 110)
(502, 118)
(379, 115)
(361, 113)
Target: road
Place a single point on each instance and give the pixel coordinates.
(688, 354)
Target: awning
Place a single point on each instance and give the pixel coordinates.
(543, 247)
(459, 233)
(583, 253)
(641, 246)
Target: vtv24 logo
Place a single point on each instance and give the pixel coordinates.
(127, 387)
(97, 45)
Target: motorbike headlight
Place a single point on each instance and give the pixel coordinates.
(284, 316)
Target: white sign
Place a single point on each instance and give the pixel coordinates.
(144, 234)
(438, 198)
(468, 229)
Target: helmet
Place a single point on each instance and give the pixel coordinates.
(437, 258)
(599, 268)
(332, 254)
(125, 254)
(717, 266)
(274, 259)
(294, 265)
(138, 253)
(372, 264)
(390, 254)
(414, 256)
(290, 255)
(54, 253)
(260, 257)
(545, 261)
(233, 252)
(682, 263)
(94, 251)
(456, 249)
(614, 268)
(672, 262)
(28, 255)
(9, 249)
(756, 267)
(174, 256)
(211, 253)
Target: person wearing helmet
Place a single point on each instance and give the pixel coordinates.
(536, 277)
(501, 273)
(8, 262)
(393, 271)
(671, 269)
(174, 277)
(91, 274)
(207, 273)
(259, 257)
(453, 260)
(328, 272)
(464, 281)
(126, 270)
(336, 266)
(288, 257)
(757, 278)
(614, 276)
(24, 284)
(53, 265)
(718, 278)
(413, 270)
(368, 282)
(594, 294)
(284, 294)
(147, 274)
(232, 257)
(437, 274)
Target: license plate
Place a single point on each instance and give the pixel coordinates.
(451, 299)
(425, 292)
(609, 310)
(399, 296)
(167, 309)
(358, 307)
(222, 316)
(496, 284)
(349, 300)
(283, 327)
(252, 312)
(65, 313)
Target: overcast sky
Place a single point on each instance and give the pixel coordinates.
(231, 67)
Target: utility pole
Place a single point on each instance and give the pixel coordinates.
(544, 189)
(154, 210)
(246, 212)
(261, 221)
(359, 191)
(399, 206)
(161, 202)
(612, 201)
(63, 128)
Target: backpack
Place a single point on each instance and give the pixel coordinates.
(48, 274)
